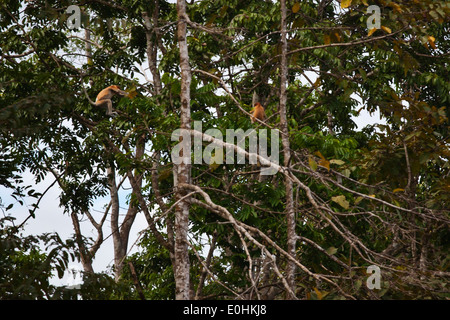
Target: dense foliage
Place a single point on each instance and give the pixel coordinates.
(377, 196)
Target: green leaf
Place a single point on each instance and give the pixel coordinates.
(312, 163)
(358, 200)
(363, 74)
(358, 284)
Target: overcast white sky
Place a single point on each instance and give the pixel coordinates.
(51, 218)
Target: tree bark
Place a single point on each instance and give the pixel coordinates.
(290, 212)
(117, 241)
(122, 231)
(85, 256)
(181, 271)
(152, 46)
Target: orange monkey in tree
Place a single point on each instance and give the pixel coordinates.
(258, 113)
(104, 98)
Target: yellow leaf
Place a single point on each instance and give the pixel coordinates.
(312, 163)
(396, 7)
(431, 40)
(317, 83)
(345, 3)
(325, 163)
(398, 190)
(372, 196)
(317, 153)
(326, 39)
(296, 7)
(341, 201)
(132, 93)
(371, 31)
(338, 36)
(365, 2)
(388, 30)
(318, 293)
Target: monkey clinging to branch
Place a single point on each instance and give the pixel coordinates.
(258, 113)
(104, 98)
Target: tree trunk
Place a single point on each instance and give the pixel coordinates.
(181, 271)
(152, 46)
(117, 241)
(85, 257)
(123, 231)
(290, 212)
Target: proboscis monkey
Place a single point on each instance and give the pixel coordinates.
(104, 98)
(258, 113)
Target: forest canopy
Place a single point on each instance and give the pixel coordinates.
(343, 213)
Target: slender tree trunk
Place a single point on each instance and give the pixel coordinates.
(207, 264)
(152, 46)
(182, 281)
(88, 48)
(122, 231)
(117, 241)
(290, 212)
(330, 123)
(85, 257)
(153, 38)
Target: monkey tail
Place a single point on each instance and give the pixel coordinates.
(86, 94)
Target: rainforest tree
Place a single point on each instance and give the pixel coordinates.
(340, 200)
